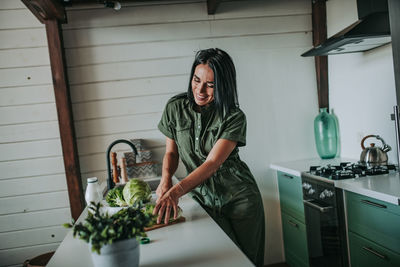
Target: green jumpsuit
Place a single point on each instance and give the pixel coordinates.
(230, 195)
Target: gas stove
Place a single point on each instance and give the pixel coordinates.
(346, 170)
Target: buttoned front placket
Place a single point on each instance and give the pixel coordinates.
(197, 132)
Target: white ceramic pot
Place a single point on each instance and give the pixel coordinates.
(121, 253)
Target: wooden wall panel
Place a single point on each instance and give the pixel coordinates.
(22, 38)
(31, 167)
(132, 14)
(16, 256)
(27, 114)
(32, 149)
(18, 18)
(128, 70)
(34, 202)
(84, 93)
(141, 122)
(33, 197)
(32, 185)
(24, 57)
(35, 219)
(236, 9)
(121, 107)
(25, 95)
(251, 26)
(185, 30)
(10, 77)
(98, 144)
(32, 237)
(29, 132)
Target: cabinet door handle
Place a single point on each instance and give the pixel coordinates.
(288, 176)
(370, 250)
(293, 224)
(373, 204)
(316, 206)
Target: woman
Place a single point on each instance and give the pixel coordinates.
(205, 127)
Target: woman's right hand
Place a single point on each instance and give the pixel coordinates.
(163, 187)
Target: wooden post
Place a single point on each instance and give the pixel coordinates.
(212, 6)
(52, 13)
(321, 62)
(65, 119)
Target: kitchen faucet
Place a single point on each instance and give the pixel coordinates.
(110, 182)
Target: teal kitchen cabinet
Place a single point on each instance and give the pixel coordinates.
(373, 230)
(293, 222)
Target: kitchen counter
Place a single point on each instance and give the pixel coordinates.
(382, 187)
(298, 166)
(198, 241)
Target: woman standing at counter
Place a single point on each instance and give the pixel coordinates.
(205, 127)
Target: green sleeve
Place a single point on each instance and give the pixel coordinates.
(165, 124)
(234, 128)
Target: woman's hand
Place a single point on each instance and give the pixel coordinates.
(163, 187)
(167, 202)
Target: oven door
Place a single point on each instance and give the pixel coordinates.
(323, 236)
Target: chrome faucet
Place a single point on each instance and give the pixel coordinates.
(110, 182)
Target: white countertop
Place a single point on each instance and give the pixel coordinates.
(382, 187)
(198, 241)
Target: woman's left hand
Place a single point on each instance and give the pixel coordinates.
(164, 205)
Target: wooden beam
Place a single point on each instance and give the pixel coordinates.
(46, 9)
(65, 119)
(212, 6)
(394, 18)
(321, 62)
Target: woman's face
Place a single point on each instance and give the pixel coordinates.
(203, 85)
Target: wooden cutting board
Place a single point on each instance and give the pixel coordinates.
(156, 226)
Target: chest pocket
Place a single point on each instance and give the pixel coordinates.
(184, 137)
(209, 138)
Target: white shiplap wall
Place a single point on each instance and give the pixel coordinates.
(33, 191)
(124, 65)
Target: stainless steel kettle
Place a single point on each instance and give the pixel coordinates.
(373, 155)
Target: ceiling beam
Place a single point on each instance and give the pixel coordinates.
(321, 62)
(46, 9)
(212, 6)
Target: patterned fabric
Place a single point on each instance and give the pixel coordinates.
(130, 158)
(143, 170)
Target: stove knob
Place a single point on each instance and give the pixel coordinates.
(326, 193)
(311, 191)
(306, 186)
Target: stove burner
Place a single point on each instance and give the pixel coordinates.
(347, 170)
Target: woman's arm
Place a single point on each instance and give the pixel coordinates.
(169, 166)
(218, 154)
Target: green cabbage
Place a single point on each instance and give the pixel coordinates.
(115, 197)
(136, 191)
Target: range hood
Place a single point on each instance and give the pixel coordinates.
(370, 31)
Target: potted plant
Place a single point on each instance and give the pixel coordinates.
(114, 239)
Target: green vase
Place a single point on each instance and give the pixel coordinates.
(325, 132)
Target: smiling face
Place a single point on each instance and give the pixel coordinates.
(203, 85)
